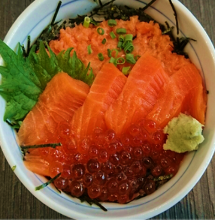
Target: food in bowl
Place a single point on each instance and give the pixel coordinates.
(108, 158)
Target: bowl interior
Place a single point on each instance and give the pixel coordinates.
(202, 55)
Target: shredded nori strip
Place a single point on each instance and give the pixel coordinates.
(56, 12)
(40, 146)
(51, 32)
(47, 183)
(86, 198)
(149, 4)
(176, 16)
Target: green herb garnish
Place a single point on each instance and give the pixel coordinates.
(113, 36)
(112, 22)
(130, 58)
(109, 52)
(121, 31)
(100, 31)
(121, 40)
(100, 56)
(112, 60)
(31, 76)
(13, 167)
(137, 57)
(125, 70)
(120, 60)
(89, 50)
(104, 41)
(87, 21)
(47, 183)
(129, 47)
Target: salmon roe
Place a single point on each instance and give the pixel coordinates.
(115, 168)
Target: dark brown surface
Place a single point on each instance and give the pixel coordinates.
(15, 200)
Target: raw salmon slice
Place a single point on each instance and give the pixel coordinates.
(143, 86)
(37, 165)
(184, 93)
(60, 99)
(106, 88)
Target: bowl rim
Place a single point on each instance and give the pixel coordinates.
(39, 195)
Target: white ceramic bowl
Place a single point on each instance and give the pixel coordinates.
(32, 22)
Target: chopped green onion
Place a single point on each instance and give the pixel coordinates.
(100, 31)
(121, 40)
(129, 47)
(112, 60)
(112, 35)
(130, 58)
(121, 31)
(104, 41)
(112, 22)
(100, 56)
(47, 183)
(137, 57)
(125, 70)
(116, 52)
(119, 45)
(13, 167)
(109, 52)
(86, 22)
(128, 37)
(89, 49)
(120, 60)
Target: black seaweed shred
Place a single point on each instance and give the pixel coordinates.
(40, 146)
(176, 16)
(111, 11)
(47, 183)
(149, 4)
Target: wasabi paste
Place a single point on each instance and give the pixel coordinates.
(184, 134)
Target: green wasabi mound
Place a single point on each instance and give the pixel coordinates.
(184, 134)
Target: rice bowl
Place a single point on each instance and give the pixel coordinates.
(189, 166)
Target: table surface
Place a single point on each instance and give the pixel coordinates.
(17, 203)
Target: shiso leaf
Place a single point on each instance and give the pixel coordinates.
(25, 78)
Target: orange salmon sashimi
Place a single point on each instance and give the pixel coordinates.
(61, 97)
(143, 86)
(43, 124)
(184, 93)
(106, 88)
